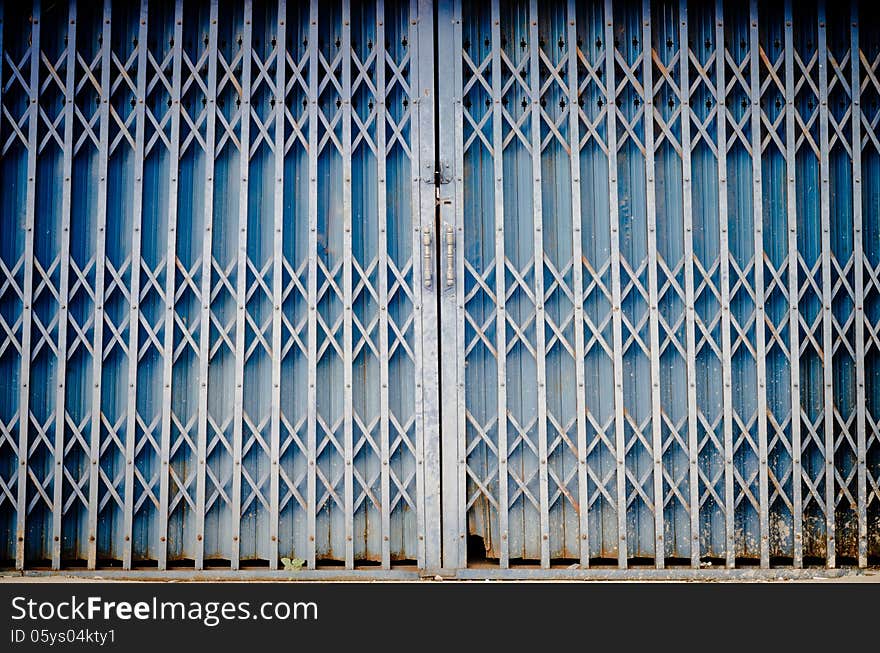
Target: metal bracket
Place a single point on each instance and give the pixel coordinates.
(444, 173)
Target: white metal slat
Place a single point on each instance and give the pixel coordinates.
(760, 329)
(427, 342)
(653, 324)
(311, 434)
(280, 55)
(578, 281)
(347, 399)
(859, 262)
(170, 288)
(451, 156)
(382, 242)
(64, 281)
(827, 317)
(793, 288)
(205, 294)
(617, 325)
(538, 227)
(24, 419)
(724, 248)
(500, 285)
(135, 287)
(690, 328)
(100, 254)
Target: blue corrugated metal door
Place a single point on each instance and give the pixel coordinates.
(619, 307)
(662, 225)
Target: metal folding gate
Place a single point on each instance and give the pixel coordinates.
(511, 285)
(213, 302)
(663, 300)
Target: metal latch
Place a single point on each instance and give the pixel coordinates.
(426, 242)
(450, 256)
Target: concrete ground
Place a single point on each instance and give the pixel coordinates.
(871, 575)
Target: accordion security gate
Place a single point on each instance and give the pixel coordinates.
(211, 294)
(663, 224)
(588, 282)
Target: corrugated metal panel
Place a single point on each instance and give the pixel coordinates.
(212, 290)
(226, 284)
(665, 309)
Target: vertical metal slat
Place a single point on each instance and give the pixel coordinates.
(347, 400)
(578, 282)
(98, 345)
(3, 54)
(760, 329)
(135, 285)
(170, 286)
(721, 88)
(793, 288)
(653, 324)
(451, 157)
(24, 419)
(428, 441)
(538, 225)
(460, 526)
(382, 242)
(859, 264)
(617, 325)
(64, 281)
(500, 285)
(827, 317)
(312, 282)
(277, 278)
(690, 328)
(205, 317)
(241, 280)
